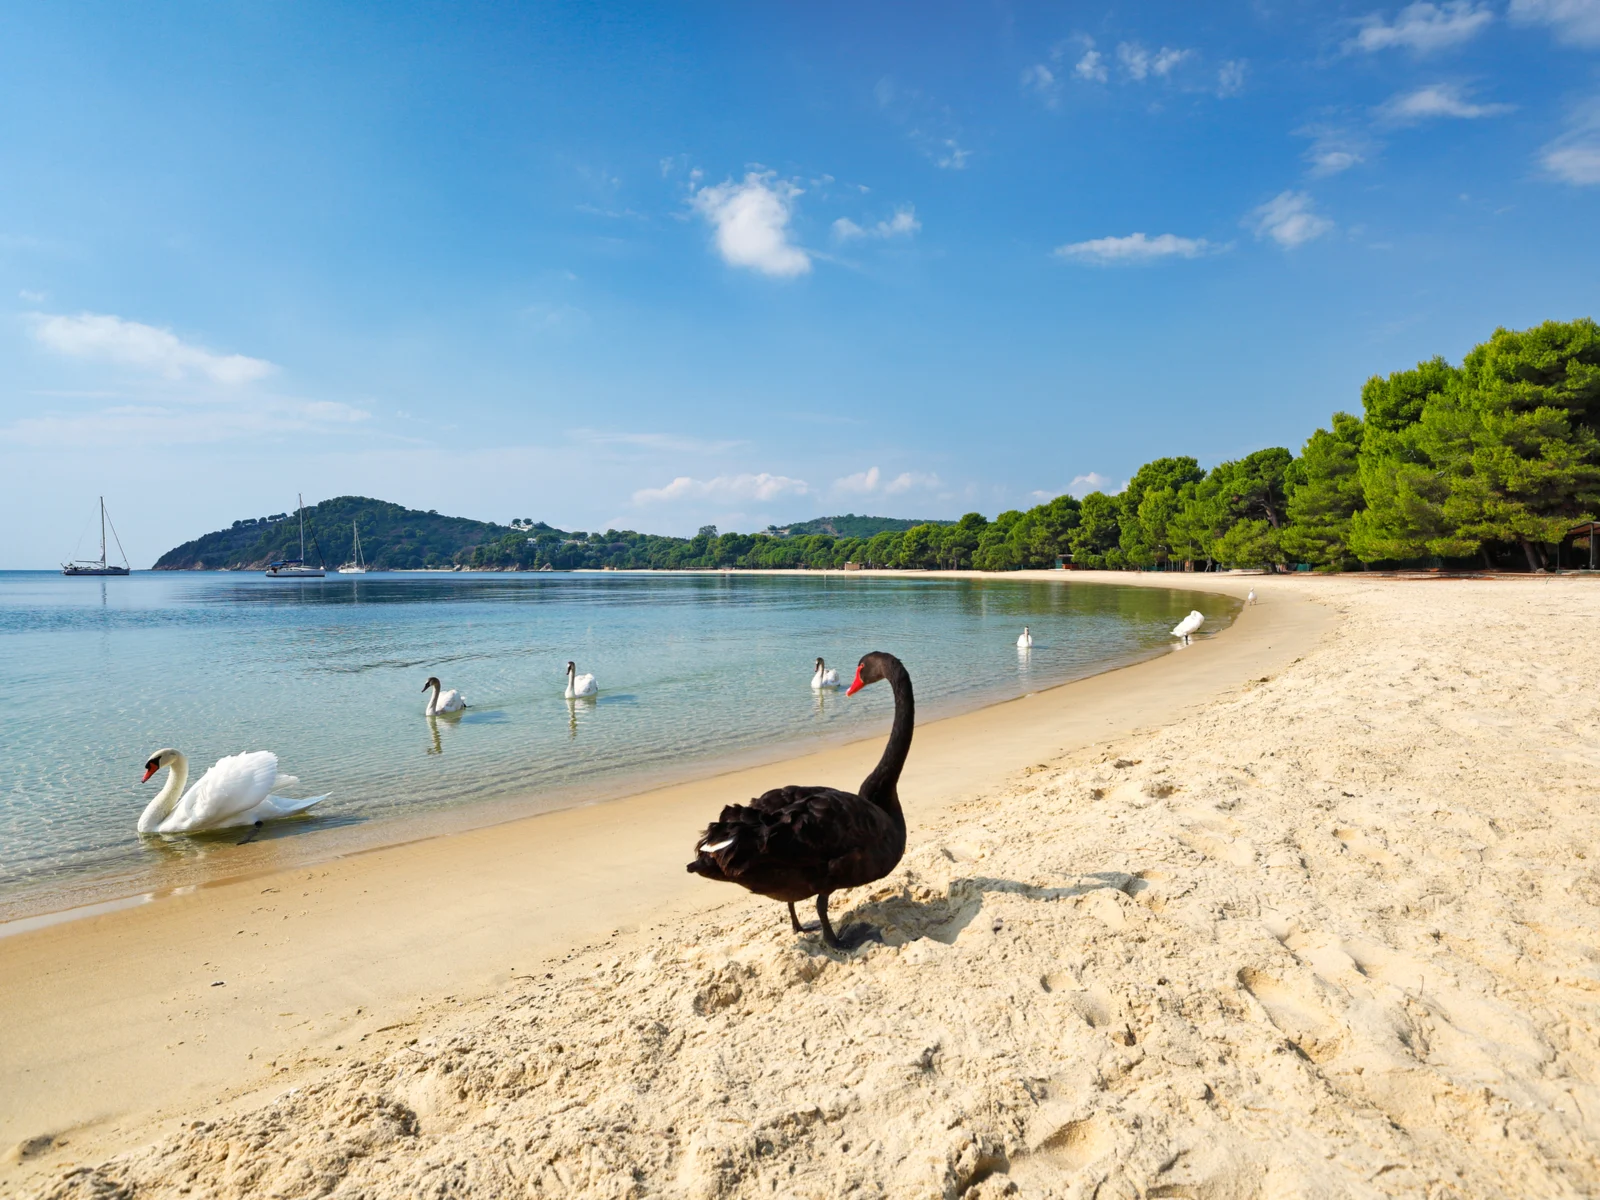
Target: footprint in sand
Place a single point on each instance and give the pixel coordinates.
(1294, 1007)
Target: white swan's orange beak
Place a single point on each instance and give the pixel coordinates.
(150, 768)
(857, 685)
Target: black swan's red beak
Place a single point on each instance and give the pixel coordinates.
(857, 685)
(149, 770)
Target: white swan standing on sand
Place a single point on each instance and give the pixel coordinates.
(824, 678)
(1025, 642)
(235, 792)
(1251, 598)
(1185, 628)
(579, 685)
(442, 702)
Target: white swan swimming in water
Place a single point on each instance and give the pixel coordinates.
(442, 702)
(1185, 628)
(579, 685)
(824, 678)
(235, 792)
(1025, 642)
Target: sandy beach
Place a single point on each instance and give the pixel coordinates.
(1306, 909)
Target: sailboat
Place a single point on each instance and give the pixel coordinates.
(355, 566)
(99, 566)
(295, 568)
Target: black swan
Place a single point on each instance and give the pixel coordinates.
(797, 842)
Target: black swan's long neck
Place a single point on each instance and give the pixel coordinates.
(881, 787)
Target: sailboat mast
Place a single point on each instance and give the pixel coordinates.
(102, 531)
(300, 501)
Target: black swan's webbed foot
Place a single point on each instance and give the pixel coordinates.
(249, 837)
(853, 935)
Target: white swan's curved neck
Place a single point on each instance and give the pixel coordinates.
(167, 798)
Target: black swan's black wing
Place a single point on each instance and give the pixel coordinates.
(793, 842)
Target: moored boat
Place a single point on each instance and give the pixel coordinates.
(99, 566)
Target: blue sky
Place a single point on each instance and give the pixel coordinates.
(659, 266)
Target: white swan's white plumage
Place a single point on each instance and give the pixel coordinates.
(1186, 627)
(579, 685)
(1251, 598)
(442, 702)
(1025, 642)
(239, 790)
(824, 678)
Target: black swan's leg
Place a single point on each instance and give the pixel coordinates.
(793, 920)
(827, 927)
(854, 935)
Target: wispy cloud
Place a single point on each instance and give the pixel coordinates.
(1230, 77)
(1135, 249)
(675, 443)
(872, 483)
(1140, 64)
(1422, 28)
(1434, 101)
(105, 338)
(1091, 68)
(1289, 219)
(1082, 485)
(1334, 149)
(944, 152)
(1041, 82)
(750, 223)
(165, 424)
(904, 223)
(1574, 157)
(760, 487)
(930, 125)
(1575, 22)
(28, 297)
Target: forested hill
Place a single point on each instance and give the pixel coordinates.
(849, 526)
(392, 537)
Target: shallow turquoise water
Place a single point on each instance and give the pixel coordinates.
(694, 670)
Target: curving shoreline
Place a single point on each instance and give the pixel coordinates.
(319, 957)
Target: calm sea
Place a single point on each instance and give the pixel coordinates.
(696, 671)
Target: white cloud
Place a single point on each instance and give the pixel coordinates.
(1574, 157)
(653, 441)
(1333, 150)
(904, 223)
(1041, 81)
(1134, 249)
(1091, 67)
(28, 297)
(1230, 77)
(1434, 101)
(751, 223)
(1082, 485)
(1289, 220)
(871, 483)
(1423, 28)
(131, 344)
(1576, 22)
(1578, 163)
(724, 487)
(1140, 64)
(948, 154)
(159, 424)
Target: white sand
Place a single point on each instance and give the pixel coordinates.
(1333, 933)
